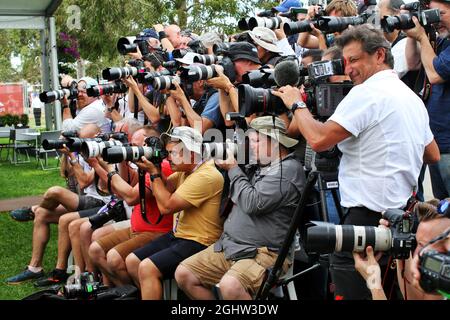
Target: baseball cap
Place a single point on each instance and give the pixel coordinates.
(275, 129)
(90, 82)
(265, 38)
(287, 4)
(243, 50)
(191, 138)
(147, 33)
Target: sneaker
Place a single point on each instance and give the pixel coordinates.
(24, 276)
(57, 276)
(22, 214)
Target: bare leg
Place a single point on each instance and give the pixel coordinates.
(74, 234)
(150, 280)
(85, 241)
(191, 285)
(41, 232)
(118, 270)
(232, 289)
(98, 257)
(59, 195)
(132, 262)
(64, 244)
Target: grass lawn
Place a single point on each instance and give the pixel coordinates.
(26, 179)
(15, 253)
(15, 238)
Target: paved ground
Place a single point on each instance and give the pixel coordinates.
(8, 205)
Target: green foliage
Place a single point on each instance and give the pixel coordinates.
(24, 120)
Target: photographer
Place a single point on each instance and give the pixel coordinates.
(435, 61)
(265, 41)
(244, 56)
(381, 128)
(205, 113)
(318, 40)
(89, 109)
(109, 253)
(57, 202)
(264, 199)
(193, 193)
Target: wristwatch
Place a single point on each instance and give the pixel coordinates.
(297, 105)
(154, 176)
(110, 174)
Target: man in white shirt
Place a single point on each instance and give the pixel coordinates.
(89, 109)
(382, 129)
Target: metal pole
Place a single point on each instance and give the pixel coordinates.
(54, 65)
(45, 70)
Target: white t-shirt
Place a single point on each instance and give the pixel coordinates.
(382, 159)
(91, 190)
(36, 103)
(93, 113)
(398, 51)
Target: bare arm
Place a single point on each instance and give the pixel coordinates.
(174, 111)
(431, 153)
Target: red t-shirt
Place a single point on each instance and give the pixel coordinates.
(138, 224)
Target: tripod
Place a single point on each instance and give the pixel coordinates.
(327, 180)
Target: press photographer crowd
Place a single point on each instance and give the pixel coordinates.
(282, 162)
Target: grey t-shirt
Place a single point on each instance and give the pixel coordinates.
(264, 202)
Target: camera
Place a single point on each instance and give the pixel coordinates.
(130, 44)
(111, 74)
(325, 24)
(258, 100)
(321, 70)
(165, 82)
(70, 93)
(268, 22)
(108, 88)
(399, 240)
(219, 151)
(404, 21)
(92, 149)
(221, 48)
(261, 78)
(154, 152)
(208, 59)
(85, 287)
(198, 72)
(324, 98)
(435, 271)
(114, 210)
(58, 144)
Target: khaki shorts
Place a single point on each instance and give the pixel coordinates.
(124, 241)
(209, 267)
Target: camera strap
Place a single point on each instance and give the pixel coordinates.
(142, 200)
(426, 82)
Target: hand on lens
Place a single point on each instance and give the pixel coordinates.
(148, 166)
(288, 94)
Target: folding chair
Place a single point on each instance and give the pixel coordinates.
(47, 135)
(4, 133)
(20, 142)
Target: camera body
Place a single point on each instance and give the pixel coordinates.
(426, 17)
(435, 271)
(85, 287)
(114, 210)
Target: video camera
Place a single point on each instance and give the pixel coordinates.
(426, 17)
(153, 151)
(71, 93)
(399, 240)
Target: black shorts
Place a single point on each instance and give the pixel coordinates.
(167, 252)
(88, 202)
(88, 212)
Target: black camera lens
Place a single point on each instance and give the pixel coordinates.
(50, 96)
(109, 88)
(119, 73)
(114, 210)
(53, 144)
(258, 100)
(291, 28)
(221, 48)
(126, 45)
(243, 24)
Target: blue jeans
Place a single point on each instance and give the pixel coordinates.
(440, 177)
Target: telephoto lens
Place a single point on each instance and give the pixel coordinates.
(271, 23)
(258, 100)
(219, 151)
(53, 144)
(208, 59)
(119, 73)
(109, 88)
(50, 96)
(291, 28)
(328, 238)
(198, 72)
(126, 45)
(165, 82)
(118, 154)
(92, 149)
